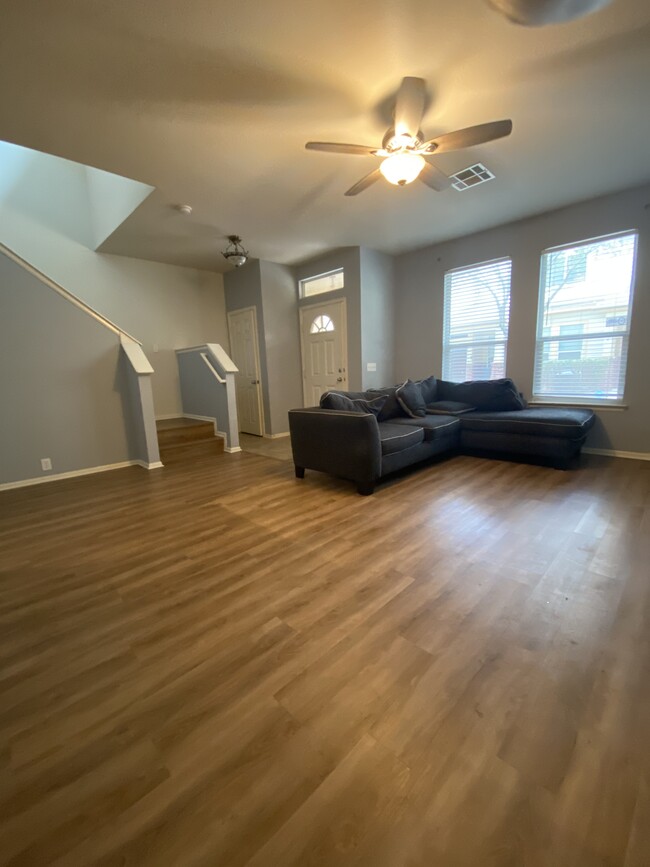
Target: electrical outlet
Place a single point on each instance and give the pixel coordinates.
(46, 464)
(371, 366)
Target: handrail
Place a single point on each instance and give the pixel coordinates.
(204, 356)
(65, 293)
(217, 352)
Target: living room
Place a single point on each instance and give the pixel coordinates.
(210, 661)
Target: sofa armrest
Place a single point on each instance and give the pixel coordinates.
(345, 444)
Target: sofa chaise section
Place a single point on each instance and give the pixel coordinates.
(549, 432)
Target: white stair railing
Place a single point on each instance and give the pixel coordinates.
(207, 380)
(141, 395)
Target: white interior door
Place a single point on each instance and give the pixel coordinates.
(323, 341)
(244, 349)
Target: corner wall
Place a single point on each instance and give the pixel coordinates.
(377, 318)
(282, 340)
(419, 279)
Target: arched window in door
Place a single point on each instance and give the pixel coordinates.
(320, 324)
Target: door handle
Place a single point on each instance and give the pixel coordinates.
(339, 379)
(255, 382)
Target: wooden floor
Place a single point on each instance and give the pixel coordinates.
(215, 664)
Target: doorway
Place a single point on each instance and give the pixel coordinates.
(324, 348)
(244, 348)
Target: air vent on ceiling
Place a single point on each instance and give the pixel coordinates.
(471, 177)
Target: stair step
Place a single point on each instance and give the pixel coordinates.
(178, 431)
(193, 449)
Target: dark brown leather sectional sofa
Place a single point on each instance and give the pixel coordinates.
(361, 437)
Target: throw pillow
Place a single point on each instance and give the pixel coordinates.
(409, 397)
(429, 389)
(449, 407)
(391, 408)
(333, 400)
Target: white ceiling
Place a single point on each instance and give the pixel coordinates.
(211, 102)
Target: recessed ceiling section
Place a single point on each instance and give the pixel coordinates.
(82, 203)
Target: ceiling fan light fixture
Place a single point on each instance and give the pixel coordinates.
(235, 252)
(402, 168)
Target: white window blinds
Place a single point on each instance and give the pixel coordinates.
(476, 316)
(583, 321)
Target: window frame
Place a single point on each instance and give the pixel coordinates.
(313, 277)
(541, 341)
(447, 346)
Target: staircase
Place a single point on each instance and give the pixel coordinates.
(185, 438)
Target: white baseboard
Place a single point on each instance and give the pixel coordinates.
(56, 477)
(232, 450)
(152, 466)
(613, 453)
(198, 417)
(276, 436)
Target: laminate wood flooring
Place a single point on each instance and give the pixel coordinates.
(216, 664)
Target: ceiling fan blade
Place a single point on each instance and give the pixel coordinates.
(467, 138)
(337, 148)
(364, 183)
(434, 178)
(409, 107)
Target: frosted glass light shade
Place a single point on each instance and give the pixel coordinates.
(402, 168)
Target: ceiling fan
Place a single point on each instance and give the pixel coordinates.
(404, 150)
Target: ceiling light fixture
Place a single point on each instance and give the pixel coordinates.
(234, 252)
(402, 168)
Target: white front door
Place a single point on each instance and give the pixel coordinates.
(323, 340)
(244, 349)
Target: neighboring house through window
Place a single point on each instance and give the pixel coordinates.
(476, 317)
(586, 290)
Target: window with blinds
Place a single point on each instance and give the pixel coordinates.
(583, 320)
(476, 316)
(321, 283)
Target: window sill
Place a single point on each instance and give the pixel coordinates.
(585, 404)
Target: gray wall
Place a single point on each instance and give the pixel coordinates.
(282, 339)
(63, 388)
(243, 288)
(348, 258)
(419, 286)
(377, 318)
(164, 306)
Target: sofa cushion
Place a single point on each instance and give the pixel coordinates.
(409, 397)
(341, 402)
(449, 407)
(434, 427)
(569, 423)
(428, 389)
(395, 437)
(489, 395)
(391, 408)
